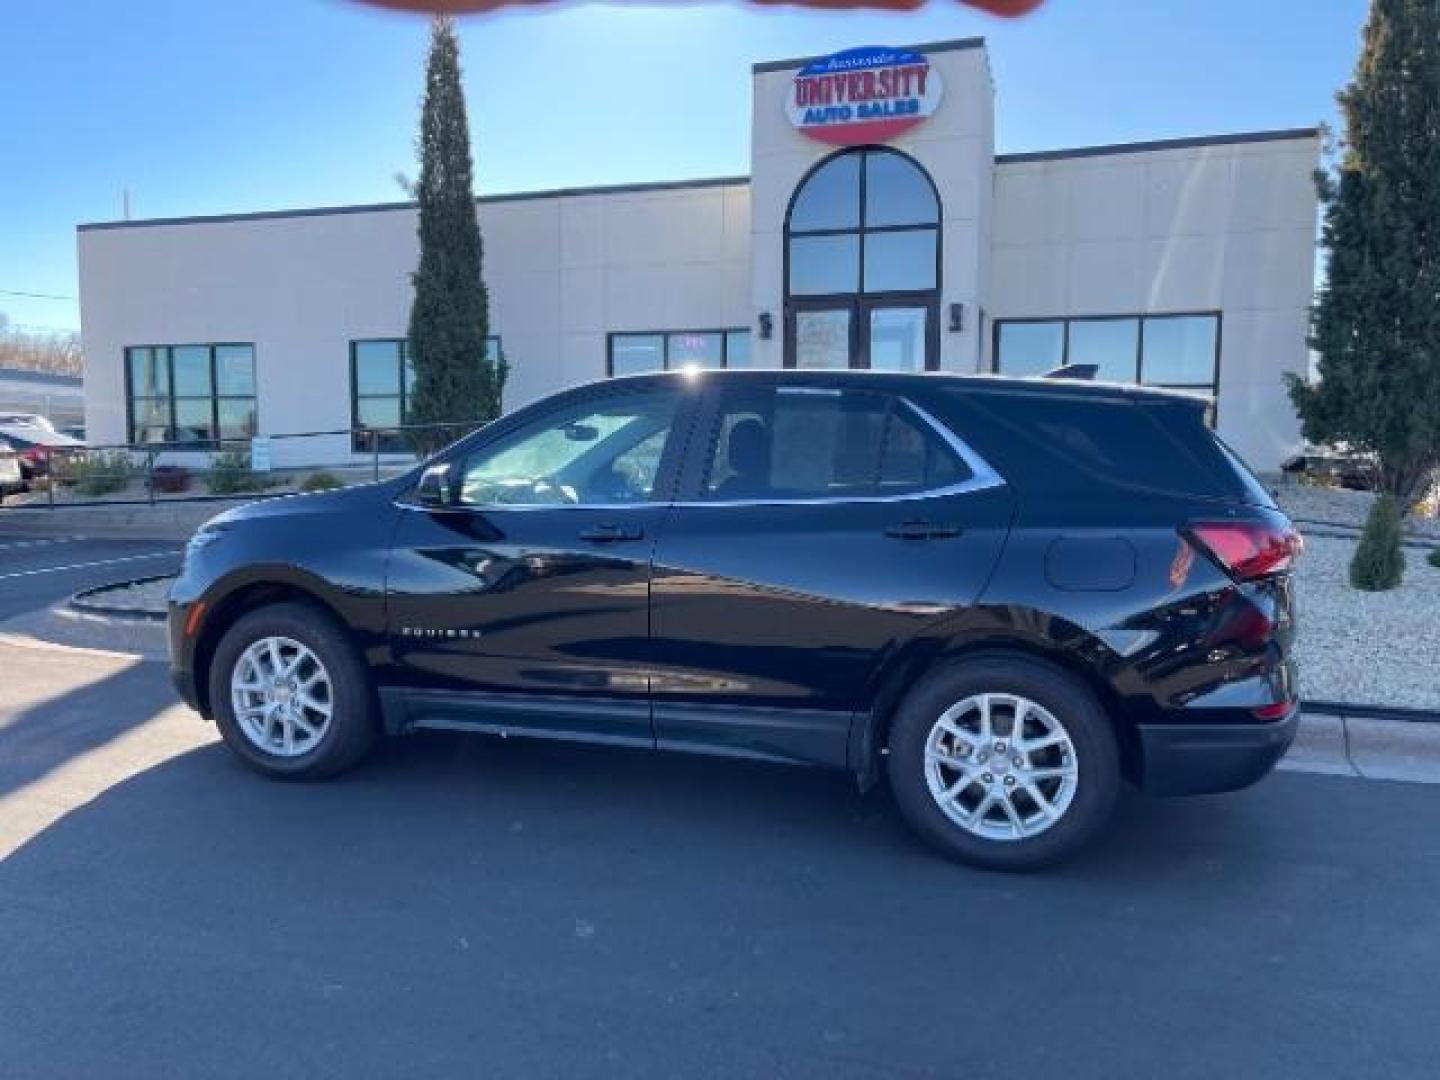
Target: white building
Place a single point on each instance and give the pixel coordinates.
(877, 228)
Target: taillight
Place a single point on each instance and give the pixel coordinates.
(1248, 549)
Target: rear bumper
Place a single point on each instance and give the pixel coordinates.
(1203, 759)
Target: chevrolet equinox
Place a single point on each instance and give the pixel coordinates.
(1004, 595)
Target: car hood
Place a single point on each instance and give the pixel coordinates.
(316, 503)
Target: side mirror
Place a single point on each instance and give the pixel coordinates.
(434, 488)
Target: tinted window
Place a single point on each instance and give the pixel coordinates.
(1029, 348)
(1181, 350)
(824, 444)
(1050, 442)
(696, 350)
(830, 198)
(897, 192)
(824, 264)
(737, 348)
(634, 354)
(915, 458)
(597, 452)
(1111, 344)
(900, 260)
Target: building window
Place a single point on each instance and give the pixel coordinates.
(672, 350)
(382, 377)
(1179, 352)
(865, 221)
(190, 394)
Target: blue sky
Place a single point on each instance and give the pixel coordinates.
(211, 106)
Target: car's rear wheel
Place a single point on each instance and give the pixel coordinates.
(290, 694)
(1004, 762)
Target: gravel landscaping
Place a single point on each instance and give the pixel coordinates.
(1372, 648)
(1339, 507)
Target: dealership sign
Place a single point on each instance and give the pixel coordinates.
(863, 95)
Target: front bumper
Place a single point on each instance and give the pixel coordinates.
(1204, 759)
(182, 656)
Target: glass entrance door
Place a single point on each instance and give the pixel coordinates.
(864, 332)
(899, 336)
(821, 335)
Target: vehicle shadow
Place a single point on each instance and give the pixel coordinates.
(53, 731)
(536, 908)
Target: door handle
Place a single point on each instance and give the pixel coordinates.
(921, 530)
(610, 534)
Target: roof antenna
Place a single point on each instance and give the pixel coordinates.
(1081, 372)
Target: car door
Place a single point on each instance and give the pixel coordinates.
(524, 605)
(820, 528)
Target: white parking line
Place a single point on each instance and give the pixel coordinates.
(21, 545)
(88, 565)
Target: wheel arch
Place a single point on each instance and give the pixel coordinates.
(902, 673)
(241, 599)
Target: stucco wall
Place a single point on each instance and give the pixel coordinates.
(955, 146)
(1226, 227)
(562, 271)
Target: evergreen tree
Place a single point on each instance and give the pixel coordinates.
(1376, 326)
(1379, 561)
(450, 316)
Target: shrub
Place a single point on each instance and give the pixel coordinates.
(230, 474)
(170, 479)
(97, 474)
(1434, 558)
(1379, 561)
(320, 481)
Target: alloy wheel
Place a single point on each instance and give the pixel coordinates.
(282, 696)
(1001, 766)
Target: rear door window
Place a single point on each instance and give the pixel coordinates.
(801, 443)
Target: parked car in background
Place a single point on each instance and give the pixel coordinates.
(1005, 595)
(35, 447)
(11, 479)
(26, 420)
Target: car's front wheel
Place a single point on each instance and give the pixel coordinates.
(290, 694)
(1004, 762)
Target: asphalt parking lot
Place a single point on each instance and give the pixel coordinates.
(512, 908)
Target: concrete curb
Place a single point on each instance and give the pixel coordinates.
(1366, 747)
(83, 603)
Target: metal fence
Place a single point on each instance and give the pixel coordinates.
(127, 474)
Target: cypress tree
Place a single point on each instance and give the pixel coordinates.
(1376, 326)
(1379, 561)
(450, 315)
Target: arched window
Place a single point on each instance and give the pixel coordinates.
(862, 264)
(864, 221)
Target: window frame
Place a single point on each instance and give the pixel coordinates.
(357, 432)
(861, 229)
(1142, 318)
(214, 398)
(673, 458)
(722, 332)
(704, 445)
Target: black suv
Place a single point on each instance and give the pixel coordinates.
(1007, 595)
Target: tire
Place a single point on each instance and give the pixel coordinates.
(280, 744)
(1076, 777)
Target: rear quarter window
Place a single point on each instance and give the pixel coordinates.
(1046, 441)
